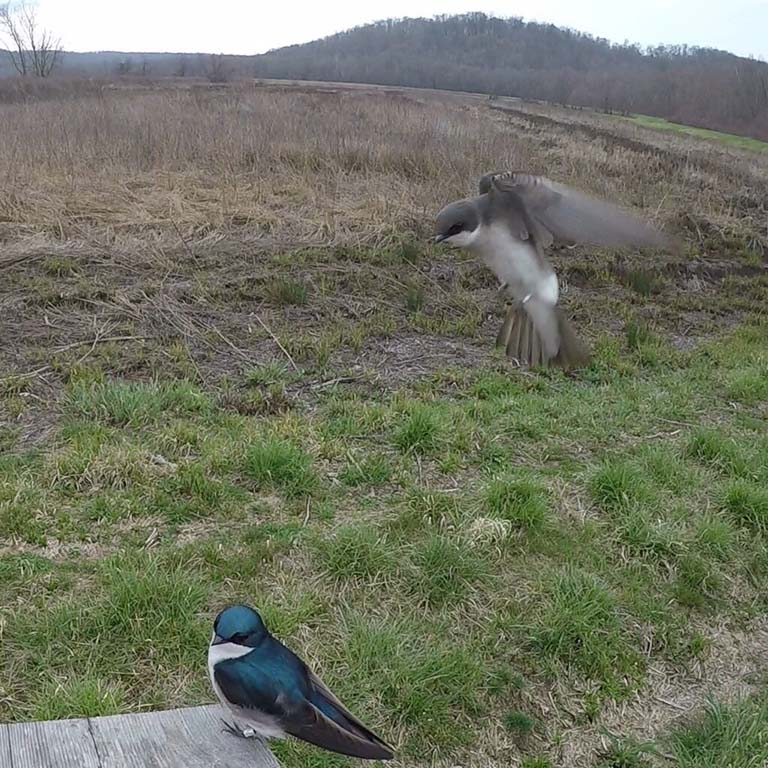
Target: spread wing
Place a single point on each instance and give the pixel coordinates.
(571, 216)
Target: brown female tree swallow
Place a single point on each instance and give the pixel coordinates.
(514, 218)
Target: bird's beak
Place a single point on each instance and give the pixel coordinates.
(216, 640)
(440, 238)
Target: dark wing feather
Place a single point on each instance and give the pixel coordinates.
(572, 216)
(281, 685)
(318, 729)
(249, 686)
(327, 703)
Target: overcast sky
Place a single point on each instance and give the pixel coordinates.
(254, 26)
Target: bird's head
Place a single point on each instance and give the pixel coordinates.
(457, 224)
(240, 625)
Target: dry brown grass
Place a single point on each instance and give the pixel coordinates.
(293, 166)
(194, 182)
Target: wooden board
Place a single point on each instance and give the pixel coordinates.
(53, 744)
(176, 738)
(5, 745)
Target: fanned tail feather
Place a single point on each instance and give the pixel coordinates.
(522, 342)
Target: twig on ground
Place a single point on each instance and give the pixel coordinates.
(99, 340)
(187, 246)
(277, 341)
(240, 353)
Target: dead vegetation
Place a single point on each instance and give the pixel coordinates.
(149, 212)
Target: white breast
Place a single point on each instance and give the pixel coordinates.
(515, 263)
(265, 725)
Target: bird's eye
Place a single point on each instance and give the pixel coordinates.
(239, 638)
(455, 229)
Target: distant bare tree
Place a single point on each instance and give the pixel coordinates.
(217, 70)
(33, 50)
(181, 66)
(15, 41)
(124, 67)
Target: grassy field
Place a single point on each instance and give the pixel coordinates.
(234, 369)
(738, 142)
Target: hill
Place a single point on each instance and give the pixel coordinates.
(475, 52)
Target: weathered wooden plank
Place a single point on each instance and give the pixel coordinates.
(5, 746)
(182, 738)
(52, 744)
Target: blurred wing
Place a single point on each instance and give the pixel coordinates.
(572, 216)
(485, 183)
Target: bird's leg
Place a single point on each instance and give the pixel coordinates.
(242, 733)
(509, 299)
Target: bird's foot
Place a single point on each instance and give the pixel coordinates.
(242, 733)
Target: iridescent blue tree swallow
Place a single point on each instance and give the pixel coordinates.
(266, 685)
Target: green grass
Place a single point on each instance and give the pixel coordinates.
(283, 292)
(519, 723)
(535, 762)
(712, 448)
(626, 753)
(698, 582)
(88, 695)
(445, 570)
(414, 298)
(643, 281)
(747, 505)
(275, 463)
(619, 484)
(132, 404)
(729, 139)
(581, 627)
(519, 501)
(356, 552)
(375, 469)
(444, 551)
(433, 690)
(725, 736)
(420, 431)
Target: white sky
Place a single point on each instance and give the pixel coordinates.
(254, 26)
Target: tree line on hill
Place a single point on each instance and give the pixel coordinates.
(475, 52)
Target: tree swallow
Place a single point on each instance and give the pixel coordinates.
(266, 685)
(514, 218)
